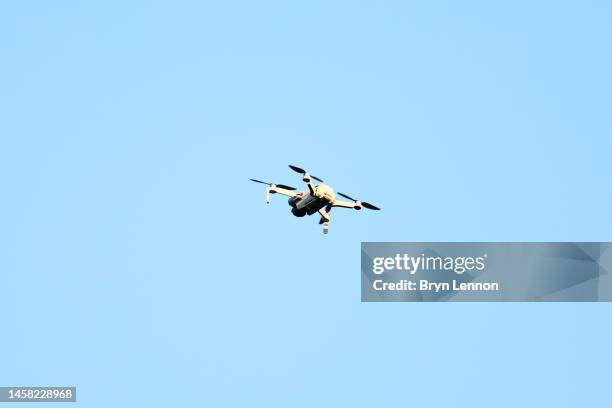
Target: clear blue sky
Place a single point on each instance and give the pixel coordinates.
(140, 264)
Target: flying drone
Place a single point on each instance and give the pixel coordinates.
(318, 198)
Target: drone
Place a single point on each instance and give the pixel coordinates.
(318, 198)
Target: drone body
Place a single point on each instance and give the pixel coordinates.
(318, 198)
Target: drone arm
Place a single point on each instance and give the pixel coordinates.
(306, 179)
(343, 204)
(278, 190)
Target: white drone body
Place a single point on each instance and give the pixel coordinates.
(320, 198)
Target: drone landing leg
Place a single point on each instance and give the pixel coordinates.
(324, 220)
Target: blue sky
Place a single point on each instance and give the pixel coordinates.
(140, 264)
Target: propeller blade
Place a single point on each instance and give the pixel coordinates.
(302, 171)
(277, 185)
(259, 181)
(285, 187)
(345, 196)
(369, 206)
(297, 169)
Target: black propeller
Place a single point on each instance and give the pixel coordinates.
(297, 169)
(277, 185)
(369, 206)
(363, 203)
(302, 171)
(343, 195)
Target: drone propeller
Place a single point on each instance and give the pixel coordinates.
(277, 185)
(363, 203)
(297, 169)
(369, 206)
(343, 195)
(302, 171)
